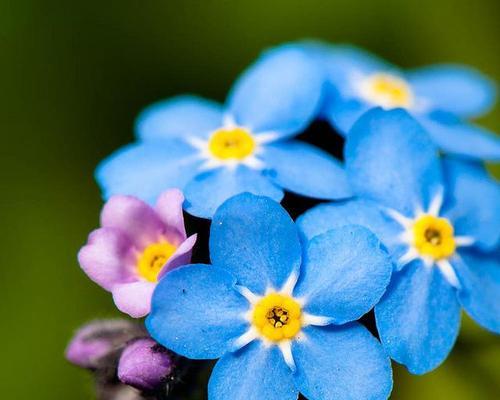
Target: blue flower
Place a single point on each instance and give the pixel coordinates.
(280, 320)
(438, 218)
(213, 152)
(438, 96)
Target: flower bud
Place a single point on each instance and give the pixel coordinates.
(96, 340)
(144, 364)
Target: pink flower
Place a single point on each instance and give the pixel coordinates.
(135, 247)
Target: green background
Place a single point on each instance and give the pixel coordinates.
(73, 77)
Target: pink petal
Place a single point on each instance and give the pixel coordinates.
(134, 298)
(108, 257)
(134, 217)
(182, 256)
(169, 209)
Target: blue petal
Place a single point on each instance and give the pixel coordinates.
(342, 114)
(179, 117)
(418, 318)
(281, 92)
(475, 199)
(343, 62)
(390, 159)
(344, 65)
(479, 275)
(341, 363)
(345, 272)
(255, 372)
(255, 239)
(458, 89)
(196, 312)
(463, 139)
(324, 217)
(306, 170)
(146, 169)
(209, 190)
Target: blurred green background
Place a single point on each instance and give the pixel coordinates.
(73, 77)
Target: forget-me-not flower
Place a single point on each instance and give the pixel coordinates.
(212, 152)
(280, 320)
(438, 218)
(440, 97)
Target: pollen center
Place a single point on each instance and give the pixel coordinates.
(277, 317)
(434, 237)
(387, 90)
(153, 258)
(234, 143)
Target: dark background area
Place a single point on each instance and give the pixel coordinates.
(73, 76)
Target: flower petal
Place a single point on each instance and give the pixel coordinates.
(344, 67)
(134, 298)
(209, 190)
(145, 170)
(145, 365)
(255, 239)
(306, 170)
(169, 209)
(196, 312)
(460, 138)
(255, 372)
(342, 113)
(181, 256)
(281, 92)
(475, 201)
(390, 159)
(479, 276)
(108, 258)
(179, 117)
(418, 318)
(133, 217)
(344, 274)
(325, 217)
(343, 63)
(354, 366)
(455, 88)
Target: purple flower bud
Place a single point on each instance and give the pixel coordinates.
(98, 339)
(145, 364)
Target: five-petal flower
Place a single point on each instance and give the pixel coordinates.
(280, 317)
(135, 246)
(213, 152)
(439, 219)
(440, 97)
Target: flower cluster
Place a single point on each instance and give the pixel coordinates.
(409, 231)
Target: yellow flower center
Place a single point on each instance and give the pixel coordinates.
(388, 91)
(153, 258)
(277, 317)
(433, 236)
(234, 143)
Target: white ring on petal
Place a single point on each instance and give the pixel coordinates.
(290, 284)
(285, 347)
(211, 162)
(402, 220)
(249, 336)
(408, 257)
(436, 203)
(315, 320)
(463, 241)
(412, 253)
(248, 294)
(449, 272)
